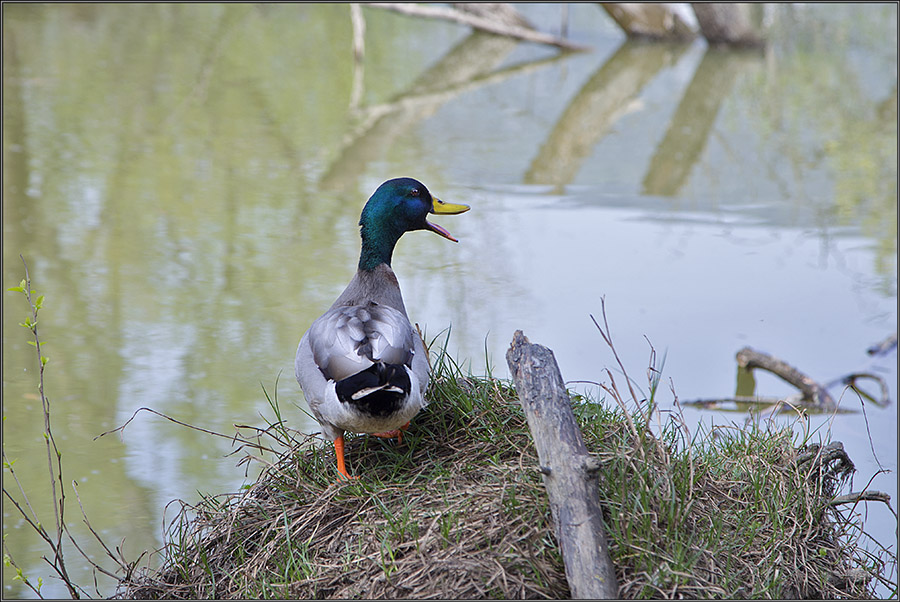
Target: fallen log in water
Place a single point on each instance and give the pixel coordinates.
(811, 395)
(570, 472)
(812, 391)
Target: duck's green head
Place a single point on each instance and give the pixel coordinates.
(399, 205)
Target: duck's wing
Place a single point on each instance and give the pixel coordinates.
(349, 339)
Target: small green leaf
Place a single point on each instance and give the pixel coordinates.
(44, 360)
(16, 289)
(39, 302)
(32, 343)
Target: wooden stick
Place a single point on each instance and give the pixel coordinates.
(569, 471)
(812, 391)
(488, 25)
(861, 496)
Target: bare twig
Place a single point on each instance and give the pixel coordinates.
(607, 338)
(55, 468)
(126, 567)
(233, 438)
(488, 25)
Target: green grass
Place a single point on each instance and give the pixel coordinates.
(458, 510)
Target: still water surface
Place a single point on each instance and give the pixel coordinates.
(185, 182)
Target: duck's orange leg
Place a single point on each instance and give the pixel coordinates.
(339, 454)
(391, 434)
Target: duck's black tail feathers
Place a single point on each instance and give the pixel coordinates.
(378, 390)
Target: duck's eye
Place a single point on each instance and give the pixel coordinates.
(414, 192)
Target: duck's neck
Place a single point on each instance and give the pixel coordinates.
(379, 285)
(377, 247)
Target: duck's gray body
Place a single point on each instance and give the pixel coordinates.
(362, 366)
(366, 325)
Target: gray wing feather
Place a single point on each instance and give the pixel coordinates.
(349, 339)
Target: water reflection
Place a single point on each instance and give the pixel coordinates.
(468, 65)
(612, 92)
(693, 120)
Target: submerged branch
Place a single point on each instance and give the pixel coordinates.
(812, 391)
(884, 346)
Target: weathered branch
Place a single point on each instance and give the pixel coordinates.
(569, 471)
(478, 22)
(812, 391)
(861, 496)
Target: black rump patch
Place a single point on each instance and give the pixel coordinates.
(379, 390)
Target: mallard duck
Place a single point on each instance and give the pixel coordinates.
(362, 366)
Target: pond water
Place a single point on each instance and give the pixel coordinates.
(185, 181)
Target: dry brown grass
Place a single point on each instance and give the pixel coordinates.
(458, 511)
(468, 521)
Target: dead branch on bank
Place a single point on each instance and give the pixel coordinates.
(831, 465)
(570, 472)
(861, 496)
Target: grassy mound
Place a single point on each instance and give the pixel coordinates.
(458, 510)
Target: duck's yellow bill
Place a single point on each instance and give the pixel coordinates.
(440, 207)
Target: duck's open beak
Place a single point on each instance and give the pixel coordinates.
(440, 207)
